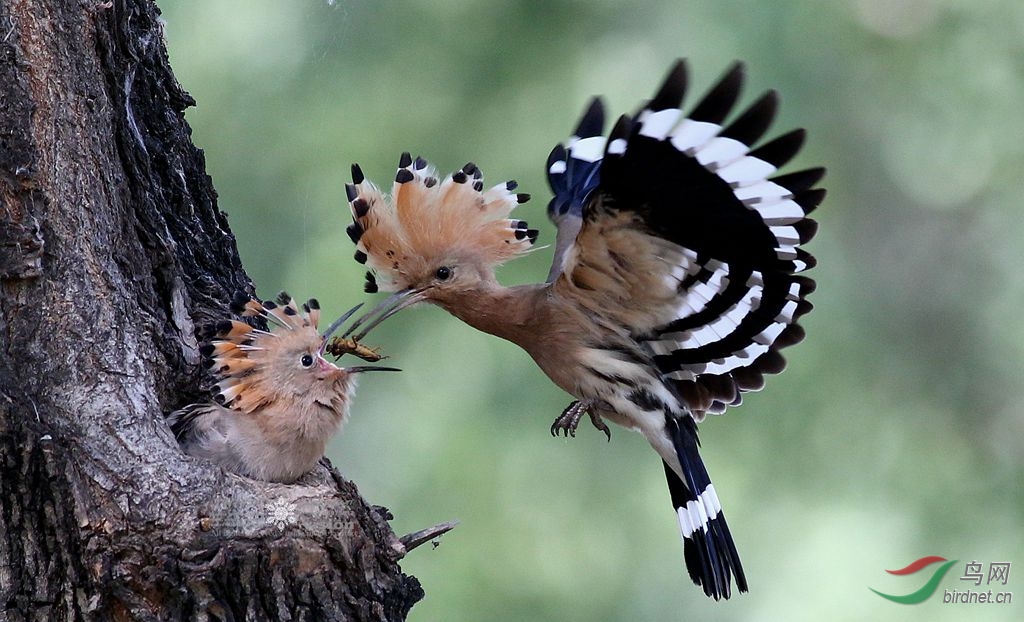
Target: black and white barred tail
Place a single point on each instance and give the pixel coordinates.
(708, 548)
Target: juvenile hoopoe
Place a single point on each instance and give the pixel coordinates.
(674, 282)
(277, 400)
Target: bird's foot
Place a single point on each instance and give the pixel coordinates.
(569, 420)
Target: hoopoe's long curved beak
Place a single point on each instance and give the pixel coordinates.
(336, 324)
(386, 308)
(361, 368)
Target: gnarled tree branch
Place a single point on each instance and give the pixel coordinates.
(111, 249)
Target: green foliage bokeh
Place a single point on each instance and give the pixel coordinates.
(894, 434)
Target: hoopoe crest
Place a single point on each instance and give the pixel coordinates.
(257, 367)
(428, 221)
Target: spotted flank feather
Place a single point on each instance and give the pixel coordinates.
(239, 354)
(427, 218)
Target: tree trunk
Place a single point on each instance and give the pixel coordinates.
(111, 250)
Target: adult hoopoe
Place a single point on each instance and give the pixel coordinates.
(674, 282)
(277, 400)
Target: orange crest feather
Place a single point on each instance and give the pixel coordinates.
(427, 219)
(236, 350)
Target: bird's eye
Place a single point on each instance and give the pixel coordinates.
(307, 360)
(443, 273)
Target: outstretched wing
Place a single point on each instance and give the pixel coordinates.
(692, 243)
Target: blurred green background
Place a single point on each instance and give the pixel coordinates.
(894, 434)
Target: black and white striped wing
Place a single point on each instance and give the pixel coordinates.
(732, 291)
(573, 173)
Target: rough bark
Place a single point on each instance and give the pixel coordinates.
(111, 250)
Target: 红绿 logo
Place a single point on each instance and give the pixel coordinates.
(928, 588)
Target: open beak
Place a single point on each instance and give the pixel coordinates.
(326, 367)
(386, 308)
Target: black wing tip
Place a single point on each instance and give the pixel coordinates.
(716, 104)
(790, 336)
(781, 149)
(809, 261)
(750, 126)
(591, 123)
(799, 181)
(621, 129)
(734, 76)
(673, 88)
(558, 152)
(771, 362)
(809, 200)
(736, 71)
(806, 228)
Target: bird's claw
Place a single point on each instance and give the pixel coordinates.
(569, 420)
(600, 424)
